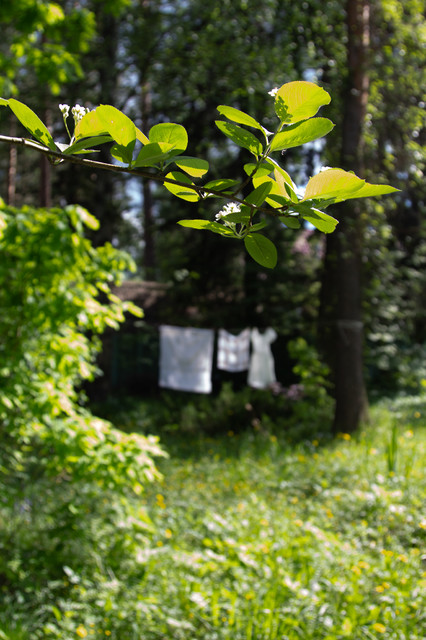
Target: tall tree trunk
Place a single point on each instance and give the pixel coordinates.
(13, 163)
(147, 211)
(341, 299)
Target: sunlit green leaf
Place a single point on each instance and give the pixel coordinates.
(178, 190)
(152, 154)
(195, 167)
(262, 169)
(371, 190)
(238, 116)
(221, 184)
(261, 249)
(339, 185)
(32, 123)
(322, 221)
(299, 100)
(3, 102)
(207, 225)
(118, 125)
(240, 136)
(286, 185)
(141, 136)
(274, 197)
(173, 134)
(300, 133)
(90, 126)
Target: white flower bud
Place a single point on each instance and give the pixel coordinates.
(64, 109)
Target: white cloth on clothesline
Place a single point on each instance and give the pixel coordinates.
(186, 358)
(233, 351)
(262, 367)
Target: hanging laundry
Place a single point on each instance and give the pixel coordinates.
(233, 352)
(186, 358)
(262, 366)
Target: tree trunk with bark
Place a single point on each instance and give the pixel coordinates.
(341, 296)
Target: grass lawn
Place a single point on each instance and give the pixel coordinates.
(258, 539)
(256, 535)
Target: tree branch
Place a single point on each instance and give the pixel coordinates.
(105, 166)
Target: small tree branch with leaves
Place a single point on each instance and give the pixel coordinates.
(160, 156)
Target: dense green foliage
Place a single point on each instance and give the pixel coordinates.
(62, 470)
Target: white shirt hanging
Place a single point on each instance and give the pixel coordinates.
(186, 358)
(262, 367)
(233, 352)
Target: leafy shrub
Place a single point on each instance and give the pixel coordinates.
(70, 511)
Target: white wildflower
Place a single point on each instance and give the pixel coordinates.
(231, 207)
(273, 92)
(64, 109)
(78, 112)
(324, 169)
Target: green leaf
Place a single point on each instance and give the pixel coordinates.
(87, 143)
(32, 123)
(258, 226)
(120, 128)
(216, 227)
(261, 249)
(90, 126)
(194, 167)
(292, 222)
(152, 154)
(275, 197)
(3, 102)
(322, 221)
(299, 100)
(286, 184)
(333, 183)
(239, 116)
(221, 184)
(180, 191)
(241, 137)
(258, 196)
(262, 169)
(241, 217)
(300, 133)
(120, 153)
(370, 190)
(173, 134)
(141, 136)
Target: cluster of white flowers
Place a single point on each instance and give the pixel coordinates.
(273, 92)
(231, 207)
(77, 111)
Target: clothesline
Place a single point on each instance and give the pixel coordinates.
(186, 357)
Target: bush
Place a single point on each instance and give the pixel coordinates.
(70, 483)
